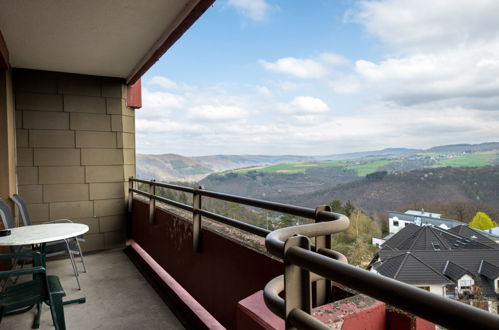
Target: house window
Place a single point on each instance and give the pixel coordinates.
(396, 223)
(436, 246)
(466, 284)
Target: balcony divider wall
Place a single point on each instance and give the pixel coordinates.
(75, 143)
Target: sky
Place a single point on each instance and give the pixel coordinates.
(320, 77)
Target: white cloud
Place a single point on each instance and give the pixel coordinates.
(265, 91)
(302, 68)
(304, 105)
(160, 104)
(163, 82)
(447, 54)
(257, 10)
(216, 113)
(438, 85)
(345, 84)
(428, 77)
(317, 67)
(419, 25)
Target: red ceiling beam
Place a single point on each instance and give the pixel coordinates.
(194, 14)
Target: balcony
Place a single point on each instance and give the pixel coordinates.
(201, 265)
(67, 146)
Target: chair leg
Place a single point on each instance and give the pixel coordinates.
(73, 263)
(81, 255)
(57, 311)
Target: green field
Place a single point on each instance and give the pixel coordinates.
(280, 168)
(470, 160)
(366, 165)
(363, 169)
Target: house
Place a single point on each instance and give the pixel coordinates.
(397, 221)
(441, 261)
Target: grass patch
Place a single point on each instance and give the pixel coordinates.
(471, 160)
(363, 169)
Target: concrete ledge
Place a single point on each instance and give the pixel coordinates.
(252, 313)
(194, 314)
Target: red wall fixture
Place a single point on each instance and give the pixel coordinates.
(134, 95)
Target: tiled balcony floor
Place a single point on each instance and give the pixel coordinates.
(118, 297)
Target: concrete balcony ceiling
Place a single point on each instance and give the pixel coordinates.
(113, 38)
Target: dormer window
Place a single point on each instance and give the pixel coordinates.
(436, 246)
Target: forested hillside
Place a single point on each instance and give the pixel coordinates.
(438, 187)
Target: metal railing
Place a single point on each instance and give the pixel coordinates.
(320, 214)
(305, 263)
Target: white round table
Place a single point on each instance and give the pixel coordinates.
(39, 234)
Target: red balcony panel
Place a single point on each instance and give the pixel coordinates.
(253, 314)
(224, 273)
(397, 319)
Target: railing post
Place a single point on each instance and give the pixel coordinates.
(129, 229)
(130, 194)
(196, 220)
(297, 285)
(322, 287)
(152, 201)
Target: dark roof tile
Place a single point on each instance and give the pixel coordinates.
(488, 270)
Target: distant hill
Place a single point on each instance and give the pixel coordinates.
(318, 171)
(396, 190)
(219, 163)
(262, 184)
(173, 167)
(383, 152)
(170, 167)
(487, 146)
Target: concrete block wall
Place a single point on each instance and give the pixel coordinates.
(75, 143)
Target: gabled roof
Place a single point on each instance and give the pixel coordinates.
(410, 269)
(413, 237)
(476, 262)
(475, 235)
(454, 271)
(397, 241)
(488, 270)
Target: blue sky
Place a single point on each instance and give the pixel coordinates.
(316, 77)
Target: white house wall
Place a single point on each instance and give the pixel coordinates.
(395, 229)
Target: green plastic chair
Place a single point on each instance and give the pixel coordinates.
(22, 297)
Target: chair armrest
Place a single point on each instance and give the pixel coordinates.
(33, 254)
(36, 255)
(22, 271)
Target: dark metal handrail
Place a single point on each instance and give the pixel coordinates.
(319, 216)
(303, 266)
(432, 307)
